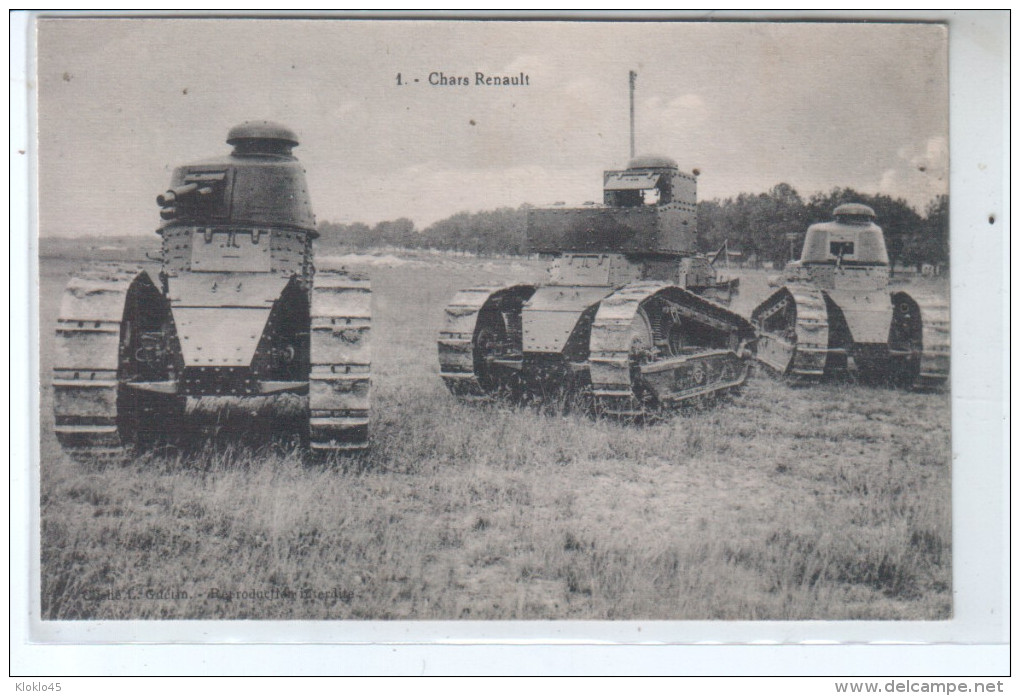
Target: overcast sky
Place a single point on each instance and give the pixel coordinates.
(750, 105)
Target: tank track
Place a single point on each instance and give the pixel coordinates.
(624, 389)
(85, 384)
(456, 338)
(339, 380)
(934, 358)
(800, 350)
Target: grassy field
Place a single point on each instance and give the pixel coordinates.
(828, 502)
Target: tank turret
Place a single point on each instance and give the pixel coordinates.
(649, 211)
(836, 314)
(853, 238)
(260, 182)
(237, 310)
(626, 319)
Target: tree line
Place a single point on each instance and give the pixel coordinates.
(499, 231)
(766, 226)
(762, 228)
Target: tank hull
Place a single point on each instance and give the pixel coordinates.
(808, 333)
(633, 351)
(130, 353)
(621, 325)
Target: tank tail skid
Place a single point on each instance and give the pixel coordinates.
(339, 384)
(630, 385)
(793, 333)
(461, 363)
(721, 293)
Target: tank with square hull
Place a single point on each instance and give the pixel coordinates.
(632, 318)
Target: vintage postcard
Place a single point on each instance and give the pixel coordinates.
(361, 321)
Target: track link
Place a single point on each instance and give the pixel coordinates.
(934, 368)
(339, 382)
(85, 385)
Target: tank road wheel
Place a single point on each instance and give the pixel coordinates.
(642, 340)
(480, 344)
(105, 316)
(339, 381)
(621, 342)
(642, 352)
(492, 342)
(654, 346)
(654, 333)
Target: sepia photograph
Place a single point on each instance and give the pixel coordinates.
(421, 320)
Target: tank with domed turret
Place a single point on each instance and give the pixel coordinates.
(835, 312)
(631, 316)
(237, 309)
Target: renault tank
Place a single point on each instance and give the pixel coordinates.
(237, 309)
(836, 312)
(625, 319)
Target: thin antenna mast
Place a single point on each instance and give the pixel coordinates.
(633, 80)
